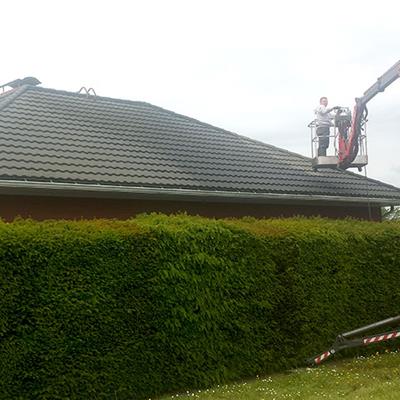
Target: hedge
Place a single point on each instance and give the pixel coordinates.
(130, 310)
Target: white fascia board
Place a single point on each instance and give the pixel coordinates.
(31, 188)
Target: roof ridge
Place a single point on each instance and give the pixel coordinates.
(77, 94)
(263, 144)
(10, 98)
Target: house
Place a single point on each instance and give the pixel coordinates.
(78, 155)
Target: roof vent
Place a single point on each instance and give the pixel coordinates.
(29, 80)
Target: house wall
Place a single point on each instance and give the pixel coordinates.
(40, 208)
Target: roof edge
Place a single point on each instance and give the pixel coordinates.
(11, 187)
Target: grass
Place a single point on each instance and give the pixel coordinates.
(375, 377)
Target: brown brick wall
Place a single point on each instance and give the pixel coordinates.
(40, 208)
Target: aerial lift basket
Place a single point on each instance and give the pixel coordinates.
(333, 160)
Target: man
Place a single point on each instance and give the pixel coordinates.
(323, 122)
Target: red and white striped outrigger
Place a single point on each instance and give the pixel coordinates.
(345, 340)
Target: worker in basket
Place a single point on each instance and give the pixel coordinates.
(323, 119)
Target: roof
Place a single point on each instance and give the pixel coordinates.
(55, 137)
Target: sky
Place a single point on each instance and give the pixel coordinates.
(257, 68)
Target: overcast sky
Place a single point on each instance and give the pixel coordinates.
(256, 68)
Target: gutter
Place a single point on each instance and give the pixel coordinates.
(33, 188)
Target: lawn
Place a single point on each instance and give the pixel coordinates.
(375, 377)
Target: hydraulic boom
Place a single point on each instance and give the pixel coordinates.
(348, 340)
(349, 138)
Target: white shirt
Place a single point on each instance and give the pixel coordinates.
(323, 115)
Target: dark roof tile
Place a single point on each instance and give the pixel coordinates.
(57, 136)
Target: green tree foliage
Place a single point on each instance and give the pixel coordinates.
(128, 310)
